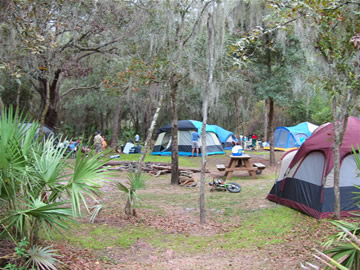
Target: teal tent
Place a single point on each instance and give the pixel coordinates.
(287, 138)
(185, 128)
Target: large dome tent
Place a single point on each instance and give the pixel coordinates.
(226, 137)
(306, 179)
(185, 128)
(287, 138)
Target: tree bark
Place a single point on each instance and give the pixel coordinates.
(271, 132)
(128, 207)
(238, 120)
(271, 107)
(174, 132)
(50, 97)
(18, 94)
(266, 120)
(115, 134)
(46, 107)
(209, 84)
(336, 150)
(151, 129)
(340, 122)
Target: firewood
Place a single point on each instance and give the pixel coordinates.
(162, 172)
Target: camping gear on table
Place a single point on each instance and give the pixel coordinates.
(306, 178)
(237, 150)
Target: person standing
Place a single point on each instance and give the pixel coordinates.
(98, 142)
(104, 143)
(195, 143)
(137, 138)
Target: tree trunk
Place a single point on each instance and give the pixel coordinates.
(266, 120)
(340, 122)
(115, 134)
(174, 132)
(209, 84)
(271, 132)
(151, 129)
(128, 208)
(336, 150)
(50, 97)
(271, 107)
(238, 119)
(46, 107)
(18, 94)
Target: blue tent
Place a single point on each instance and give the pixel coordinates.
(226, 137)
(287, 138)
(46, 131)
(185, 128)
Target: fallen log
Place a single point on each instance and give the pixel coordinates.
(156, 169)
(180, 168)
(162, 172)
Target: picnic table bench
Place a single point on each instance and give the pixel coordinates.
(241, 163)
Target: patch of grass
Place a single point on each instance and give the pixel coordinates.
(257, 229)
(261, 228)
(103, 236)
(183, 161)
(258, 153)
(171, 200)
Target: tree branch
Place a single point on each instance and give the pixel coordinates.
(96, 87)
(197, 22)
(98, 48)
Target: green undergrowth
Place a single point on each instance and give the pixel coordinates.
(257, 230)
(183, 161)
(261, 228)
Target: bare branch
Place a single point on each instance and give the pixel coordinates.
(197, 22)
(98, 48)
(96, 87)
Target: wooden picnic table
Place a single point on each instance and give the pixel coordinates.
(240, 163)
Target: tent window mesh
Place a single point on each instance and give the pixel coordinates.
(300, 138)
(184, 137)
(311, 169)
(349, 172)
(165, 141)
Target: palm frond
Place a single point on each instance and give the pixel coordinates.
(42, 258)
(86, 179)
(122, 187)
(50, 164)
(343, 226)
(137, 180)
(345, 249)
(96, 210)
(49, 216)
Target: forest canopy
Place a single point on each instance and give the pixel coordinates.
(85, 65)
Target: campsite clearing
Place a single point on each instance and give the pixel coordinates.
(243, 230)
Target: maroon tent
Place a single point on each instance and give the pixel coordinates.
(307, 182)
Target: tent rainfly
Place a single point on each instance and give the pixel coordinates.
(185, 128)
(226, 137)
(46, 131)
(306, 179)
(287, 138)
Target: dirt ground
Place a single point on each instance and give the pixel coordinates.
(180, 220)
